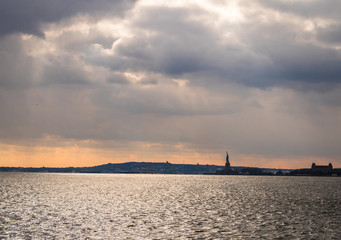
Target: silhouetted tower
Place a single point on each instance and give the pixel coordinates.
(227, 164)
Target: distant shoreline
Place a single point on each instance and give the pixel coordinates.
(169, 168)
(142, 167)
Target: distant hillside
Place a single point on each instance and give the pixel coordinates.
(129, 167)
(138, 167)
(150, 167)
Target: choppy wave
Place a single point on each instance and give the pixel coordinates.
(113, 206)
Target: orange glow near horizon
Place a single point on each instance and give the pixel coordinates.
(76, 156)
(20, 156)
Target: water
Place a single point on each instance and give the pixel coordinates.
(113, 206)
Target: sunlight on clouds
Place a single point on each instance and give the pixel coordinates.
(134, 77)
(181, 82)
(229, 11)
(154, 3)
(309, 26)
(37, 47)
(77, 24)
(112, 27)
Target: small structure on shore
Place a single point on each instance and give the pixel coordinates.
(320, 170)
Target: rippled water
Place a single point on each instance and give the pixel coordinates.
(113, 206)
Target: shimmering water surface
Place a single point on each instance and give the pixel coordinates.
(113, 206)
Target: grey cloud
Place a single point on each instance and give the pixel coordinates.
(66, 112)
(76, 42)
(268, 53)
(311, 9)
(64, 69)
(232, 92)
(149, 81)
(166, 115)
(16, 68)
(330, 34)
(177, 44)
(172, 22)
(117, 79)
(306, 63)
(172, 42)
(64, 75)
(288, 58)
(29, 15)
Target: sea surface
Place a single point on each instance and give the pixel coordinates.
(123, 206)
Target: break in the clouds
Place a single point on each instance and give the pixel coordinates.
(261, 78)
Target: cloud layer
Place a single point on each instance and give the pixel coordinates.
(261, 78)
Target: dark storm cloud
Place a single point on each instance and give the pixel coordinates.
(28, 16)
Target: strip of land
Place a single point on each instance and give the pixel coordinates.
(169, 168)
(151, 167)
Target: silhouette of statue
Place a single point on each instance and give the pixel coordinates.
(227, 170)
(227, 164)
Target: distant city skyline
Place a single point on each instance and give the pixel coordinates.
(84, 83)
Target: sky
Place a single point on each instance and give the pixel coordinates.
(84, 83)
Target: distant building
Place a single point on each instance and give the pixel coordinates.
(319, 170)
